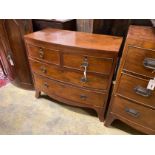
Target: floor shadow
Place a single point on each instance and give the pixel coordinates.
(122, 126)
(80, 110)
(90, 112)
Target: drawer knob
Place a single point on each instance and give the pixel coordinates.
(46, 85)
(85, 65)
(43, 69)
(41, 53)
(132, 112)
(149, 63)
(142, 91)
(83, 97)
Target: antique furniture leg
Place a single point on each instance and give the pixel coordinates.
(37, 94)
(110, 118)
(100, 113)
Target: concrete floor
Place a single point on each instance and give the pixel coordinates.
(22, 113)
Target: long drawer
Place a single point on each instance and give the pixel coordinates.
(69, 92)
(68, 76)
(140, 61)
(134, 112)
(47, 55)
(95, 64)
(135, 88)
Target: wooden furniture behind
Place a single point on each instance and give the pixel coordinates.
(73, 67)
(13, 52)
(131, 101)
(12, 47)
(90, 25)
(65, 24)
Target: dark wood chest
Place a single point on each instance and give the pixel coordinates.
(131, 101)
(73, 67)
(13, 52)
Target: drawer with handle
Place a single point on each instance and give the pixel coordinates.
(140, 61)
(93, 64)
(48, 55)
(69, 76)
(136, 89)
(69, 92)
(133, 112)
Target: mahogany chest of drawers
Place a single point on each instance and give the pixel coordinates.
(73, 67)
(131, 101)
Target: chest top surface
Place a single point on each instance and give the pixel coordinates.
(141, 33)
(77, 39)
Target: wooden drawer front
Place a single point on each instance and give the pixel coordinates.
(127, 87)
(97, 65)
(135, 61)
(73, 77)
(69, 92)
(134, 112)
(49, 55)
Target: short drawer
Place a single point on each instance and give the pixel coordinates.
(133, 112)
(140, 61)
(135, 89)
(70, 76)
(48, 55)
(95, 64)
(69, 92)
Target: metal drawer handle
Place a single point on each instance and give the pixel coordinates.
(83, 97)
(9, 57)
(149, 63)
(85, 65)
(41, 53)
(43, 69)
(142, 91)
(132, 112)
(46, 85)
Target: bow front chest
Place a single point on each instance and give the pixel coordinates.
(73, 67)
